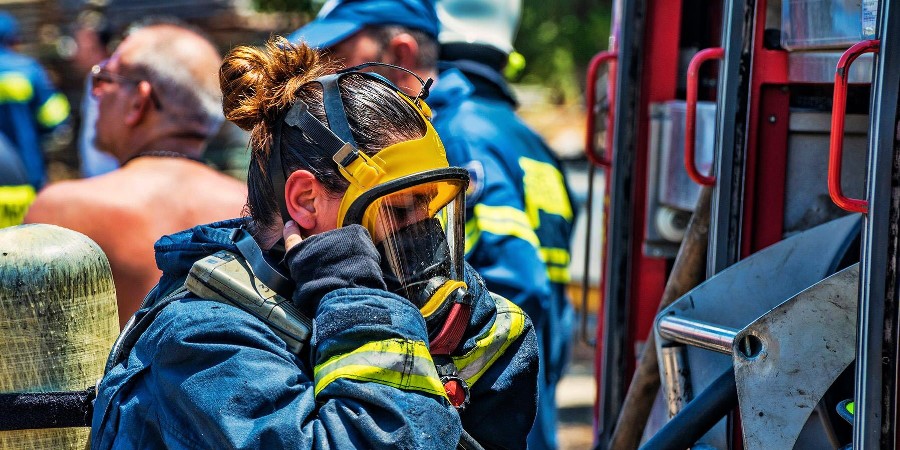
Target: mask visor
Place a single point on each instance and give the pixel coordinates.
(418, 225)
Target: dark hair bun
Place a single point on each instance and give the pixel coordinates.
(257, 83)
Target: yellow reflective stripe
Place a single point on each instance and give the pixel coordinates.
(53, 111)
(472, 235)
(440, 295)
(14, 203)
(558, 274)
(400, 363)
(555, 256)
(499, 220)
(557, 262)
(15, 88)
(545, 190)
(508, 326)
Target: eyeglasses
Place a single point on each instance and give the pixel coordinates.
(99, 76)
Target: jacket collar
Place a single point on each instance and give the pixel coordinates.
(176, 253)
(486, 81)
(452, 87)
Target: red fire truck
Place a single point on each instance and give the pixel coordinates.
(750, 254)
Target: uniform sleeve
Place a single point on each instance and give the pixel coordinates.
(373, 384)
(501, 243)
(499, 361)
(50, 107)
(222, 379)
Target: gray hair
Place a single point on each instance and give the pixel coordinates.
(173, 66)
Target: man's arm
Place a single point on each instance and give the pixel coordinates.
(51, 108)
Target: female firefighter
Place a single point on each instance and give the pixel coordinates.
(356, 220)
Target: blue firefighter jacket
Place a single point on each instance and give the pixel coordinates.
(519, 213)
(209, 375)
(29, 106)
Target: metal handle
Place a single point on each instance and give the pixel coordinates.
(838, 110)
(690, 125)
(700, 334)
(589, 148)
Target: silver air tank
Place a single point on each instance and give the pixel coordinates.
(58, 321)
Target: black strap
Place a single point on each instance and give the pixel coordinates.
(35, 410)
(275, 170)
(327, 142)
(334, 108)
(269, 275)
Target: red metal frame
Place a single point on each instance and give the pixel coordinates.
(605, 57)
(605, 162)
(838, 109)
(767, 168)
(765, 171)
(690, 125)
(648, 274)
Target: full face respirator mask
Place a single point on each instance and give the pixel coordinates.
(406, 195)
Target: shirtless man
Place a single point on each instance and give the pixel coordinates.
(159, 102)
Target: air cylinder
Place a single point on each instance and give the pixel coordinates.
(58, 321)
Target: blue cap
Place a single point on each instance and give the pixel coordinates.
(339, 19)
(9, 28)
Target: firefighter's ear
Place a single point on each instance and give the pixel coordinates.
(300, 191)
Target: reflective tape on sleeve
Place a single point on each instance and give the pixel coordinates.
(400, 363)
(557, 261)
(545, 190)
(558, 274)
(501, 221)
(14, 203)
(507, 328)
(54, 111)
(15, 88)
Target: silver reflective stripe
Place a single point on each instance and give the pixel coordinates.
(507, 327)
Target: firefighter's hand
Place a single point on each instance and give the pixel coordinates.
(291, 234)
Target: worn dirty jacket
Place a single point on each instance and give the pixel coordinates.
(209, 375)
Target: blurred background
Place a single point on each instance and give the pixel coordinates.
(556, 40)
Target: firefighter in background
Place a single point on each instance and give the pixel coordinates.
(29, 104)
(16, 194)
(407, 346)
(519, 213)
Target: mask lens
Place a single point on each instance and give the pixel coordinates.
(417, 231)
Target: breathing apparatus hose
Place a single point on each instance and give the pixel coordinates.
(467, 442)
(688, 271)
(701, 414)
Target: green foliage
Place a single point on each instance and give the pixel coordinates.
(558, 39)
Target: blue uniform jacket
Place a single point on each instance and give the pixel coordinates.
(519, 212)
(29, 106)
(209, 375)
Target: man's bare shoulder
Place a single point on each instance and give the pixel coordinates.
(80, 204)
